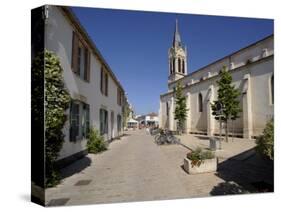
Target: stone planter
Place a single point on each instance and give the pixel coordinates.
(208, 165)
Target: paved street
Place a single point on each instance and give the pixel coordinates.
(136, 169)
(133, 169)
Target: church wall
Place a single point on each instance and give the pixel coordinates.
(198, 119)
(237, 59)
(262, 107)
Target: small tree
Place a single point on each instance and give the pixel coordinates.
(180, 110)
(125, 114)
(228, 97)
(265, 142)
(96, 143)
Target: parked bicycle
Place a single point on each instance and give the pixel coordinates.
(154, 131)
(166, 137)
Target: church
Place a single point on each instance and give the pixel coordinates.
(252, 73)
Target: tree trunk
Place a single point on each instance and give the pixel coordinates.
(226, 131)
(232, 130)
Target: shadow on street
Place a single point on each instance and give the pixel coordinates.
(246, 172)
(76, 167)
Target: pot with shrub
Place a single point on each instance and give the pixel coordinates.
(200, 161)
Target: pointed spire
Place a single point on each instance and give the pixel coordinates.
(177, 38)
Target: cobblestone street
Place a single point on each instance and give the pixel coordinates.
(136, 169)
(133, 169)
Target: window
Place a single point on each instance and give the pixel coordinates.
(79, 120)
(272, 89)
(183, 71)
(103, 121)
(80, 62)
(74, 121)
(79, 58)
(119, 122)
(171, 66)
(179, 65)
(87, 65)
(119, 96)
(200, 103)
(104, 82)
(167, 108)
(174, 61)
(86, 120)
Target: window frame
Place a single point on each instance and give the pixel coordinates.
(103, 121)
(200, 103)
(80, 47)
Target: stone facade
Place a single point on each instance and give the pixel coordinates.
(252, 71)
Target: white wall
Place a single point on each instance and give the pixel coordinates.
(260, 71)
(59, 40)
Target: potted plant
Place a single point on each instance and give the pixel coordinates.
(200, 161)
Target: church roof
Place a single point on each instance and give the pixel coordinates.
(177, 38)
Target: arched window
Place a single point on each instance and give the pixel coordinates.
(174, 61)
(179, 65)
(200, 102)
(272, 89)
(171, 66)
(183, 71)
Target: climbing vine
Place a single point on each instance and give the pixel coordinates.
(57, 101)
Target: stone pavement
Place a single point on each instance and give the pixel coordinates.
(233, 147)
(136, 169)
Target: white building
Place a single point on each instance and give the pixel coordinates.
(150, 119)
(131, 122)
(97, 95)
(252, 71)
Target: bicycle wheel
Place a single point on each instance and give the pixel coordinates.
(156, 138)
(162, 139)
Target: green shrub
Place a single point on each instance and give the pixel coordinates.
(198, 156)
(96, 142)
(265, 142)
(56, 102)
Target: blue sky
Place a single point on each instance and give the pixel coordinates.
(135, 45)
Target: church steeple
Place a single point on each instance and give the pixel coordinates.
(177, 38)
(177, 57)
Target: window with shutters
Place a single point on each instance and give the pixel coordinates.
(103, 121)
(119, 96)
(86, 120)
(81, 56)
(79, 120)
(119, 122)
(74, 121)
(104, 82)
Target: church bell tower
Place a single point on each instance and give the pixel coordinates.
(177, 58)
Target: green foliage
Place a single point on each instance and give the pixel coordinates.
(228, 96)
(125, 114)
(96, 142)
(198, 156)
(265, 142)
(180, 110)
(56, 102)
